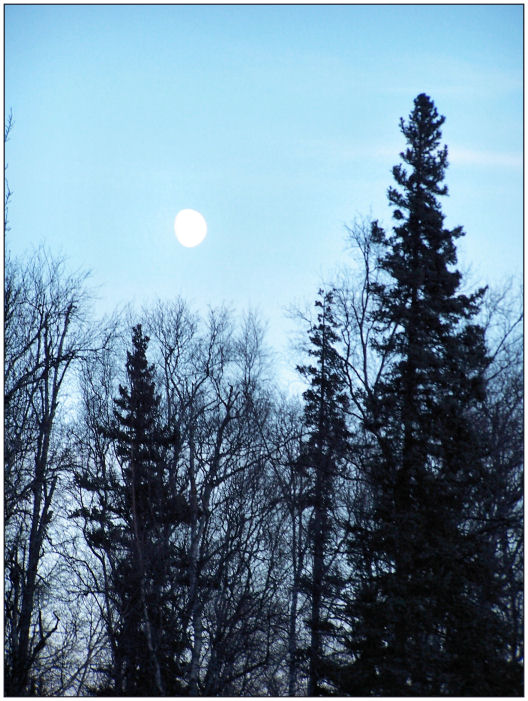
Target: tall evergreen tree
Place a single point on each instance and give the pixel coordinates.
(423, 615)
(322, 460)
(134, 520)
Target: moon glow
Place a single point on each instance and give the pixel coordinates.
(190, 227)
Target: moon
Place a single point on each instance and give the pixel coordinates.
(190, 227)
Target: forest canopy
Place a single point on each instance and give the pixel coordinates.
(175, 524)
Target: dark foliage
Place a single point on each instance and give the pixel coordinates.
(139, 510)
(424, 617)
(322, 459)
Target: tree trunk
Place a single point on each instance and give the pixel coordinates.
(196, 609)
(292, 628)
(317, 585)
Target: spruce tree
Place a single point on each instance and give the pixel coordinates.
(322, 461)
(138, 512)
(422, 616)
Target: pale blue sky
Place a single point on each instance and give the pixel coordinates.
(278, 123)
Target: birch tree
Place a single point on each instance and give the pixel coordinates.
(45, 334)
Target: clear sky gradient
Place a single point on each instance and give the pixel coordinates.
(278, 123)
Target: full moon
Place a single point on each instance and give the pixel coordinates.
(190, 227)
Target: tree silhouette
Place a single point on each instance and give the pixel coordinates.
(423, 618)
(134, 523)
(322, 458)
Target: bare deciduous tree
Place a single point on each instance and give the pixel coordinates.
(44, 336)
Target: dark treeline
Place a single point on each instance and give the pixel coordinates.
(174, 525)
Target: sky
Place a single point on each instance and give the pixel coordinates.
(279, 123)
